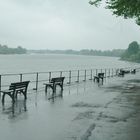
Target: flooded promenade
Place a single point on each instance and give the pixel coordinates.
(86, 111)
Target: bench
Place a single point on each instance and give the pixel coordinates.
(133, 71)
(122, 72)
(16, 88)
(54, 82)
(99, 77)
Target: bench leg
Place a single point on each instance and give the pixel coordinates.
(16, 95)
(13, 97)
(54, 88)
(46, 88)
(25, 96)
(96, 79)
(61, 86)
(3, 96)
(102, 80)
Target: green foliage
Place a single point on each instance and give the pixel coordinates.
(5, 50)
(124, 8)
(133, 48)
(132, 53)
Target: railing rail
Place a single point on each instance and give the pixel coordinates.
(38, 78)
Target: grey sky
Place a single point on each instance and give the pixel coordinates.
(63, 24)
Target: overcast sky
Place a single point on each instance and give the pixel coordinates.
(63, 24)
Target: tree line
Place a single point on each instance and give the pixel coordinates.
(115, 52)
(4, 49)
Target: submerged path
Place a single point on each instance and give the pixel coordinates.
(87, 111)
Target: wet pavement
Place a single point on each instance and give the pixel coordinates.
(86, 111)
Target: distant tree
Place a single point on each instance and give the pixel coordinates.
(71, 51)
(133, 48)
(132, 53)
(124, 8)
(20, 50)
(4, 49)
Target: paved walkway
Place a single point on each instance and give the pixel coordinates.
(86, 111)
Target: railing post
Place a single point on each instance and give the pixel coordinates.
(96, 72)
(115, 71)
(78, 77)
(85, 75)
(60, 73)
(112, 72)
(37, 81)
(105, 73)
(20, 77)
(0, 85)
(49, 76)
(90, 75)
(70, 77)
(101, 70)
(109, 73)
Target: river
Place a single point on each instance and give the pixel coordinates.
(56, 62)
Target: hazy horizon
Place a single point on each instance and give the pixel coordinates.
(63, 25)
(75, 49)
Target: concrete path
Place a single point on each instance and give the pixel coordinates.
(86, 111)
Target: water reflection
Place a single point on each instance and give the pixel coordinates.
(52, 96)
(77, 88)
(100, 83)
(14, 110)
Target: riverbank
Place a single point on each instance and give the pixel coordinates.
(86, 111)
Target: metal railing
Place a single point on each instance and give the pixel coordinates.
(38, 78)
